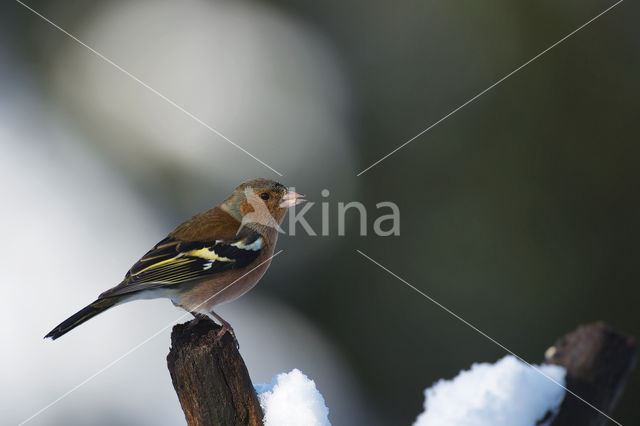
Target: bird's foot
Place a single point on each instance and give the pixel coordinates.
(226, 328)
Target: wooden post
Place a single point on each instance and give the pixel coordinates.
(598, 361)
(210, 377)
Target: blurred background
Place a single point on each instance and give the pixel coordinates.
(519, 212)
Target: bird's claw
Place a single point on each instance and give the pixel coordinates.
(227, 329)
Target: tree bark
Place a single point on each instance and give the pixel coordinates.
(210, 377)
(598, 361)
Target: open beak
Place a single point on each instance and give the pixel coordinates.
(291, 199)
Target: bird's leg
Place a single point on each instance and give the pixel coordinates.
(225, 327)
(198, 317)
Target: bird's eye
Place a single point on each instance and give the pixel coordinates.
(264, 196)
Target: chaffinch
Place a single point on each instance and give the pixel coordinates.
(214, 257)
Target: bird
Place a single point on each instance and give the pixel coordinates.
(214, 257)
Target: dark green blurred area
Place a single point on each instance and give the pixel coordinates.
(519, 212)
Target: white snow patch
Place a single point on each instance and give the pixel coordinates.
(291, 399)
(507, 393)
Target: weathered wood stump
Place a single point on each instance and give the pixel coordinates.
(210, 377)
(598, 361)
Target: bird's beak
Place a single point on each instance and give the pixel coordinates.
(291, 199)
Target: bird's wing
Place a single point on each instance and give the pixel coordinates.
(172, 262)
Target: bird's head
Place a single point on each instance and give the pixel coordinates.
(261, 203)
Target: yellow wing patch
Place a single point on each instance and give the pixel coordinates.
(174, 261)
(179, 260)
(205, 253)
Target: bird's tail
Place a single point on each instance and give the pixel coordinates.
(83, 315)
